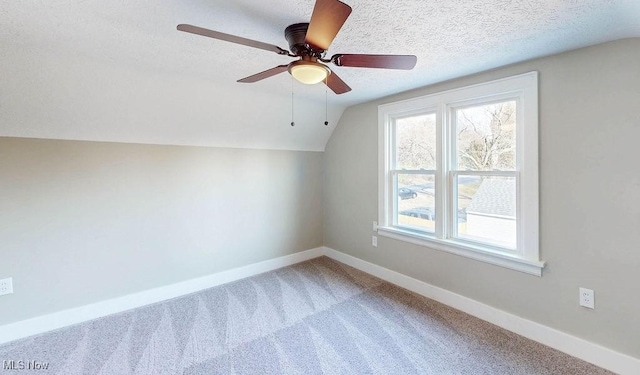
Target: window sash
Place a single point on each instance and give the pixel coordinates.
(393, 135)
(452, 205)
(393, 189)
(452, 125)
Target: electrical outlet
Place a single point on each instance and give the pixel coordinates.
(587, 298)
(375, 226)
(6, 286)
(374, 241)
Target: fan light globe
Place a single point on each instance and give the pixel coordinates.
(308, 72)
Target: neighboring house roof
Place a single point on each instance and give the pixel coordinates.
(494, 197)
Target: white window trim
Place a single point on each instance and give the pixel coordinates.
(523, 87)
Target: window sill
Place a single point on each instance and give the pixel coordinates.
(513, 262)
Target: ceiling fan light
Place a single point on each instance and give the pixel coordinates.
(308, 72)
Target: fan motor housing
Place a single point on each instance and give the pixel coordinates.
(296, 35)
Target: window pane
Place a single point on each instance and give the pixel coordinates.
(487, 137)
(416, 201)
(416, 142)
(487, 210)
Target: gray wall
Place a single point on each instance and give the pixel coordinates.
(82, 222)
(589, 194)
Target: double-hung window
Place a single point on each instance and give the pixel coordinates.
(459, 172)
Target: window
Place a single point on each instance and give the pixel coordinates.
(459, 172)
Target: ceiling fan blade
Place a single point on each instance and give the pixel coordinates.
(326, 20)
(406, 62)
(266, 74)
(336, 84)
(231, 38)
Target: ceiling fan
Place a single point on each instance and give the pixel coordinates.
(309, 42)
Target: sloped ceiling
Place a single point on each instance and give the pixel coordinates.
(119, 71)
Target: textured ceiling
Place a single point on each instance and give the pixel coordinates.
(119, 71)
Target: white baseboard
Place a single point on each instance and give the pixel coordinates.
(574, 346)
(49, 322)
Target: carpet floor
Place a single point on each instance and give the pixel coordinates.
(316, 317)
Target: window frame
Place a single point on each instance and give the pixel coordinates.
(522, 88)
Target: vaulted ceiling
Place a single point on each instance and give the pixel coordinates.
(119, 71)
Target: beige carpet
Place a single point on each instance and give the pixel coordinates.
(317, 317)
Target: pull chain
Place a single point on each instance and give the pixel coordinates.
(292, 122)
(326, 103)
